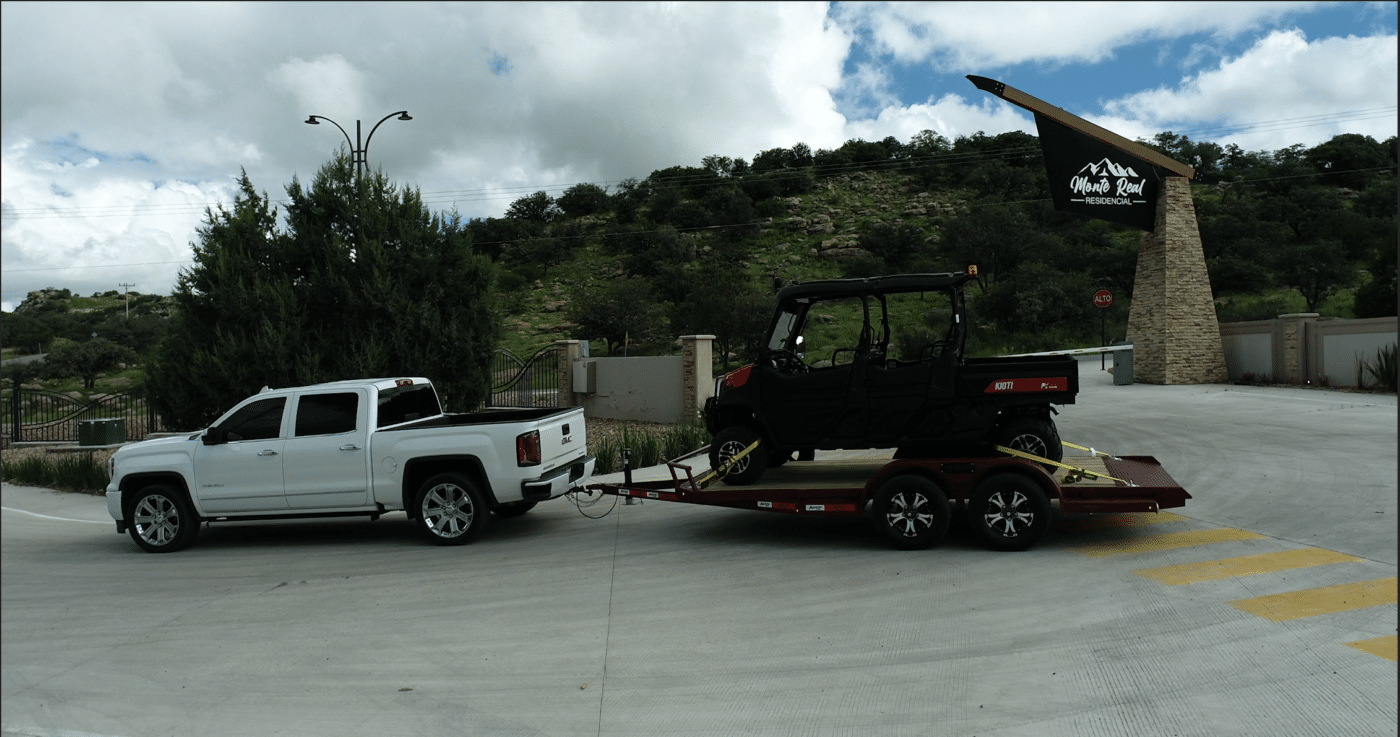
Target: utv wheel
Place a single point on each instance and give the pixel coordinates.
(911, 511)
(730, 442)
(514, 509)
(1009, 512)
(161, 521)
(450, 510)
(1034, 436)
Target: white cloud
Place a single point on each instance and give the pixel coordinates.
(1282, 80)
(961, 36)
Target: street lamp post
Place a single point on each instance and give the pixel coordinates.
(359, 153)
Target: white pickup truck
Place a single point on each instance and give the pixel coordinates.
(348, 448)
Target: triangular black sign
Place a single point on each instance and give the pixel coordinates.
(1092, 178)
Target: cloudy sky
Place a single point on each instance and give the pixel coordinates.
(123, 122)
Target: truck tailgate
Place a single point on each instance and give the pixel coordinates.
(562, 438)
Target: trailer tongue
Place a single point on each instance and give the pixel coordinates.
(1008, 497)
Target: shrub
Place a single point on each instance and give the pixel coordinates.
(75, 472)
(1383, 369)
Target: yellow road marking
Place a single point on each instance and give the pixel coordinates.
(1247, 565)
(1166, 541)
(1326, 600)
(1115, 520)
(1383, 647)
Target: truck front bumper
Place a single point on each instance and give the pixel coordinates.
(559, 481)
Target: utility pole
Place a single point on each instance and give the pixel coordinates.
(128, 298)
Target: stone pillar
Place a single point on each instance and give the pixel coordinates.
(1172, 325)
(568, 352)
(697, 361)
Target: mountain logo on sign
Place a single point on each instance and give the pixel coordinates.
(1109, 168)
(1092, 182)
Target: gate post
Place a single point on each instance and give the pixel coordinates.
(567, 351)
(697, 360)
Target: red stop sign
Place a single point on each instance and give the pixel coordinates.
(1103, 299)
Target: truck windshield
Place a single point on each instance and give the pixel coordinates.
(407, 403)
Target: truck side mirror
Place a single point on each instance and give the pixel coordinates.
(213, 436)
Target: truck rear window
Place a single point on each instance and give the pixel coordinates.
(407, 403)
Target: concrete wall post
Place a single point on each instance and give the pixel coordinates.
(697, 356)
(568, 353)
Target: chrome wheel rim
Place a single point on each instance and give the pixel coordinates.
(1008, 513)
(448, 510)
(157, 520)
(909, 514)
(1028, 443)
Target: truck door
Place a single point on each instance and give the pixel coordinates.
(326, 464)
(242, 470)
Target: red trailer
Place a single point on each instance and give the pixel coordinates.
(1007, 497)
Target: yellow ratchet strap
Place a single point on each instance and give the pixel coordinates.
(1091, 451)
(1074, 473)
(724, 468)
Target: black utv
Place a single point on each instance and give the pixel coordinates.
(878, 363)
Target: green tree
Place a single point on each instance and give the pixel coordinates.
(538, 207)
(620, 313)
(86, 360)
(362, 282)
(583, 199)
(724, 302)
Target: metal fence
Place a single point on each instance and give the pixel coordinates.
(38, 416)
(530, 382)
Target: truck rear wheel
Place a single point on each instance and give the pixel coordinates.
(911, 511)
(1009, 512)
(161, 521)
(730, 442)
(450, 510)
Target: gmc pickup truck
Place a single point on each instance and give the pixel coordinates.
(348, 448)
(879, 363)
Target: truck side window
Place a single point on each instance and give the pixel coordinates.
(327, 414)
(407, 403)
(261, 420)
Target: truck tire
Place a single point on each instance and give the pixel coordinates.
(160, 520)
(514, 509)
(730, 442)
(911, 511)
(1009, 512)
(1032, 435)
(450, 510)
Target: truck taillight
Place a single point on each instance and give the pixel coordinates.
(527, 449)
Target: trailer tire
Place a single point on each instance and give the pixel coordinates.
(1009, 512)
(160, 520)
(1032, 435)
(730, 442)
(911, 511)
(450, 510)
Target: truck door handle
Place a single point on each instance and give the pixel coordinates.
(268, 452)
(350, 447)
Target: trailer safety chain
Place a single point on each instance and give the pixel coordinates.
(583, 498)
(1073, 473)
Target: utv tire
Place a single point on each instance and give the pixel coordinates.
(730, 442)
(1031, 435)
(450, 510)
(161, 521)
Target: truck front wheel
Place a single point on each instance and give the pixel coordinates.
(911, 511)
(1009, 512)
(450, 510)
(161, 521)
(730, 442)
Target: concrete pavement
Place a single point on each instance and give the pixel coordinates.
(676, 619)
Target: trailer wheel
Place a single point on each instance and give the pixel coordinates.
(1031, 435)
(911, 511)
(730, 442)
(450, 510)
(1009, 511)
(160, 520)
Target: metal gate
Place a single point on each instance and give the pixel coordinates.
(37, 416)
(532, 382)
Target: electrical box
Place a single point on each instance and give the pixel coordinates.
(585, 377)
(106, 431)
